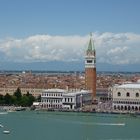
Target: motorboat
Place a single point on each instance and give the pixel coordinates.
(6, 132)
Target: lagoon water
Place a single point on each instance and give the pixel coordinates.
(68, 126)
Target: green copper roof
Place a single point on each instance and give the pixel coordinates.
(91, 44)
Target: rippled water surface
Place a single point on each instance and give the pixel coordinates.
(68, 126)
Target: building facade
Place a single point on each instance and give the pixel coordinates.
(90, 68)
(74, 100)
(63, 99)
(126, 97)
(52, 98)
(10, 90)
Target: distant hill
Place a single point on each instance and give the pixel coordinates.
(66, 66)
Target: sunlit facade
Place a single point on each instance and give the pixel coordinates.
(126, 97)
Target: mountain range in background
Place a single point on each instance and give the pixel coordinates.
(66, 66)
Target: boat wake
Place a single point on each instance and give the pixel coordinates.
(121, 139)
(91, 123)
(3, 113)
(103, 124)
(115, 124)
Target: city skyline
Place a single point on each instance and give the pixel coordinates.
(52, 33)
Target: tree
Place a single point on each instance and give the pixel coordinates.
(8, 99)
(1, 99)
(17, 99)
(14, 100)
(28, 94)
(31, 99)
(24, 100)
(18, 95)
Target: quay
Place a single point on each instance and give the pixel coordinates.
(13, 108)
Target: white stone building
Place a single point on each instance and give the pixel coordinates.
(52, 98)
(126, 97)
(74, 100)
(63, 99)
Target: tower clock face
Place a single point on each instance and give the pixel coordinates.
(90, 53)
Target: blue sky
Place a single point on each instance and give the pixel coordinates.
(31, 28)
(67, 17)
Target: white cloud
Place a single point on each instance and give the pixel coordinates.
(117, 50)
(114, 48)
(121, 48)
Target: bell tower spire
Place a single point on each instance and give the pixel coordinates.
(90, 67)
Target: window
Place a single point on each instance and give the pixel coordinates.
(128, 94)
(89, 61)
(137, 94)
(118, 107)
(119, 94)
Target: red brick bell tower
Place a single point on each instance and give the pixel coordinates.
(90, 68)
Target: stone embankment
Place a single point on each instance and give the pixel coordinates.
(12, 108)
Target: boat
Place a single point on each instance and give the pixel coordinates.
(1, 125)
(20, 108)
(6, 132)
